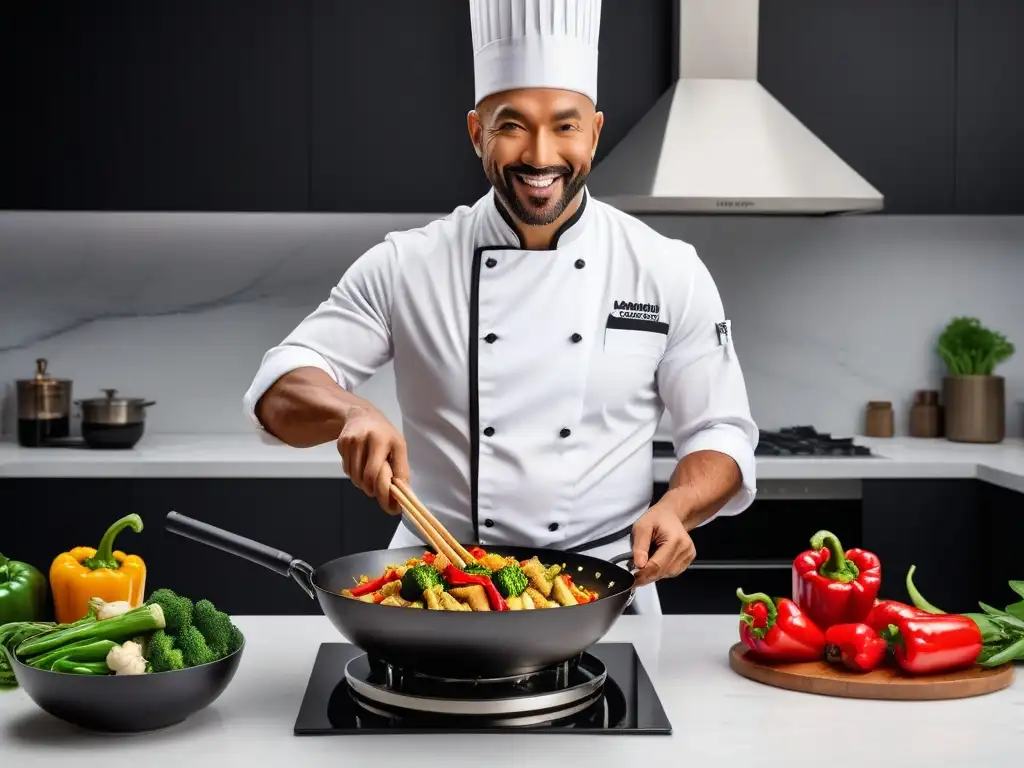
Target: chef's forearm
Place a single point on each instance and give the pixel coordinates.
(702, 484)
(305, 407)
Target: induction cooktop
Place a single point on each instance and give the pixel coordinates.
(605, 690)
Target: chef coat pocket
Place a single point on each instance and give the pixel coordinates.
(621, 341)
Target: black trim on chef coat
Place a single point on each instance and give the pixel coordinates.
(474, 344)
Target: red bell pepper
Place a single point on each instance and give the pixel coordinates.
(428, 558)
(372, 586)
(887, 612)
(778, 632)
(477, 552)
(924, 645)
(835, 587)
(856, 646)
(457, 578)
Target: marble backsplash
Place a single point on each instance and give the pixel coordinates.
(827, 313)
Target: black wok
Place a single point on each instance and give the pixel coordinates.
(460, 644)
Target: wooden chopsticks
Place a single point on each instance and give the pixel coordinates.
(432, 530)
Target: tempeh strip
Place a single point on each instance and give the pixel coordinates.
(562, 593)
(431, 601)
(474, 595)
(449, 603)
(534, 572)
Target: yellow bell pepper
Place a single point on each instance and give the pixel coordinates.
(84, 573)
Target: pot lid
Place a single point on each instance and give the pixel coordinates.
(112, 400)
(42, 378)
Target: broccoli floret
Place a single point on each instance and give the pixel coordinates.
(161, 653)
(418, 579)
(177, 609)
(235, 640)
(215, 627)
(194, 649)
(476, 569)
(510, 581)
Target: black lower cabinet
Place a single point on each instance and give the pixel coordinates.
(961, 534)
(1001, 552)
(933, 524)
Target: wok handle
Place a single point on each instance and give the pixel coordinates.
(626, 559)
(279, 562)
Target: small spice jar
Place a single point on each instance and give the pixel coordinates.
(926, 414)
(880, 421)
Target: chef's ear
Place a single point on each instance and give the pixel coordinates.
(598, 125)
(475, 126)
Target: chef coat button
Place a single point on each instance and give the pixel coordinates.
(565, 432)
(489, 431)
(553, 527)
(492, 262)
(580, 263)
(490, 338)
(489, 523)
(576, 338)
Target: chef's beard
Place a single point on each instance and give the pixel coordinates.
(502, 182)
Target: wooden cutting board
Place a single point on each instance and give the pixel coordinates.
(888, 682)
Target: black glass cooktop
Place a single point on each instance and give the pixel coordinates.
(624, 703)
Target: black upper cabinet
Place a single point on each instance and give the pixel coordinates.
(875, 80)
(184, 105)
(990, 107)
(392, 84)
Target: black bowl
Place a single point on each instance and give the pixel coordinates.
(127, 703)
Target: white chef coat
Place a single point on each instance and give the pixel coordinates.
(531, 383)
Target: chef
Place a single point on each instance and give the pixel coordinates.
(537, 336)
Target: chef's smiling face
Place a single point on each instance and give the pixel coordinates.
(537, 146)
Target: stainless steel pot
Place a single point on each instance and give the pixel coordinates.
(113, 422)
(114, 410)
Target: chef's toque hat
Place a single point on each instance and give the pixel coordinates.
(535, 44)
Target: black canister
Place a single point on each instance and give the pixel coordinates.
(44, 408)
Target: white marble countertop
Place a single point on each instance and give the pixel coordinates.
(247, 455)
(715, 714)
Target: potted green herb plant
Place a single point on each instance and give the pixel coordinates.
(974, 398)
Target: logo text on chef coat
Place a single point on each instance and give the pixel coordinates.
(634, 310)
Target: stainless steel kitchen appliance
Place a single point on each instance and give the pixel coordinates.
(791, 442)
(606, 689)
(113, 422)
(44, 407)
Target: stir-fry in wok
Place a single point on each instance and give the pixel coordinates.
(492, 583)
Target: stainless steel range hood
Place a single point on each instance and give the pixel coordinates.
(718, 142)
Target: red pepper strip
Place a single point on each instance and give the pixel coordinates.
(857, 646)
(886, 612)
(835, 587)
(457, 578)
(779, 633)
(373, 586)
(934, 643)
(477, 552)
(428, 558)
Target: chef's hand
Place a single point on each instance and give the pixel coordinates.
(373, 452)
(661, 530)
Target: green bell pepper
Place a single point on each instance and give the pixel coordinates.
(24, 592)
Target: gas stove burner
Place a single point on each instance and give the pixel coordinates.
(807, 441)
(545, 696)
